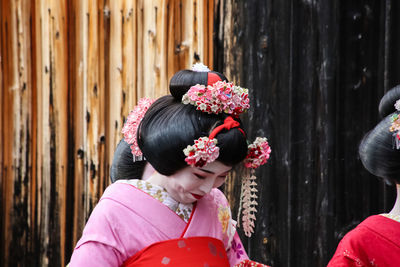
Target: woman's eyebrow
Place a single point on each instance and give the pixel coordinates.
(207, 171)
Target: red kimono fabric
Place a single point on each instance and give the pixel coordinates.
(374, 242)
(182, 252)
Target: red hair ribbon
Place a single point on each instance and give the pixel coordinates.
(228, 124)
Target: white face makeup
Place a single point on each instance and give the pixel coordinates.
(192, 183)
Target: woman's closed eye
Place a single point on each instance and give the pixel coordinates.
(200, 176)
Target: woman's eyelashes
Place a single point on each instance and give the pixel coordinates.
(200, 176)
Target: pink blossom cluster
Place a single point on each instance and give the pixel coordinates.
(258, 153)
(202, 152)
(220, 97)
(132, 123)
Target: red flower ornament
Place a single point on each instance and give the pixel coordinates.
(258, 153)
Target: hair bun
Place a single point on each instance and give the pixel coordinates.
(181, 82)
(386, 106)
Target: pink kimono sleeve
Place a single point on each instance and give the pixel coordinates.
(230, 237)
(110, 236)
(100, 244)
(236, 253)
(95, 254)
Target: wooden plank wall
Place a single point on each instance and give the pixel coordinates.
(316, 71)
(70, 73)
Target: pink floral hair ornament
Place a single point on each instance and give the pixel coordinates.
(204, 149)
(217, 98)
(258, 154)
(132, 123)
(395, 127)
(202, 152)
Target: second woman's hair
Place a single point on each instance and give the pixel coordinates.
(377, 150)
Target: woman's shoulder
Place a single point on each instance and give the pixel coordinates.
(117, 218)
(118, 198)
(363, 230)
(217, 196)
(360, 232)
(367, 239)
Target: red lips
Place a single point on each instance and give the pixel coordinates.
(197, 196)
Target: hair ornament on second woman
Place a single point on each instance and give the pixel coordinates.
(395, 127)
(217, 98)
(132, 123)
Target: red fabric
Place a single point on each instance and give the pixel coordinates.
(228, 124)
(374, 242)
(212, 78)
(182, 252)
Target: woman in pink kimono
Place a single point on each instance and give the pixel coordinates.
(190, 141)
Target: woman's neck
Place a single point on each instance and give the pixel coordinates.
(396, 207)
(157, 179)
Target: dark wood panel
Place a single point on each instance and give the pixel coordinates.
(316, 71)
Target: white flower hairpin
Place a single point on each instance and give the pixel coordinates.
(200, 67)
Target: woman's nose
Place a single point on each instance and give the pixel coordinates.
(208, 185)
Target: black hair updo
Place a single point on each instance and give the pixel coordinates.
(123, 166)
(181, 82)
(170, 126)
(377, 150)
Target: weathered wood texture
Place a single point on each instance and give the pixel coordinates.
(70, 73)
(316, 71)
